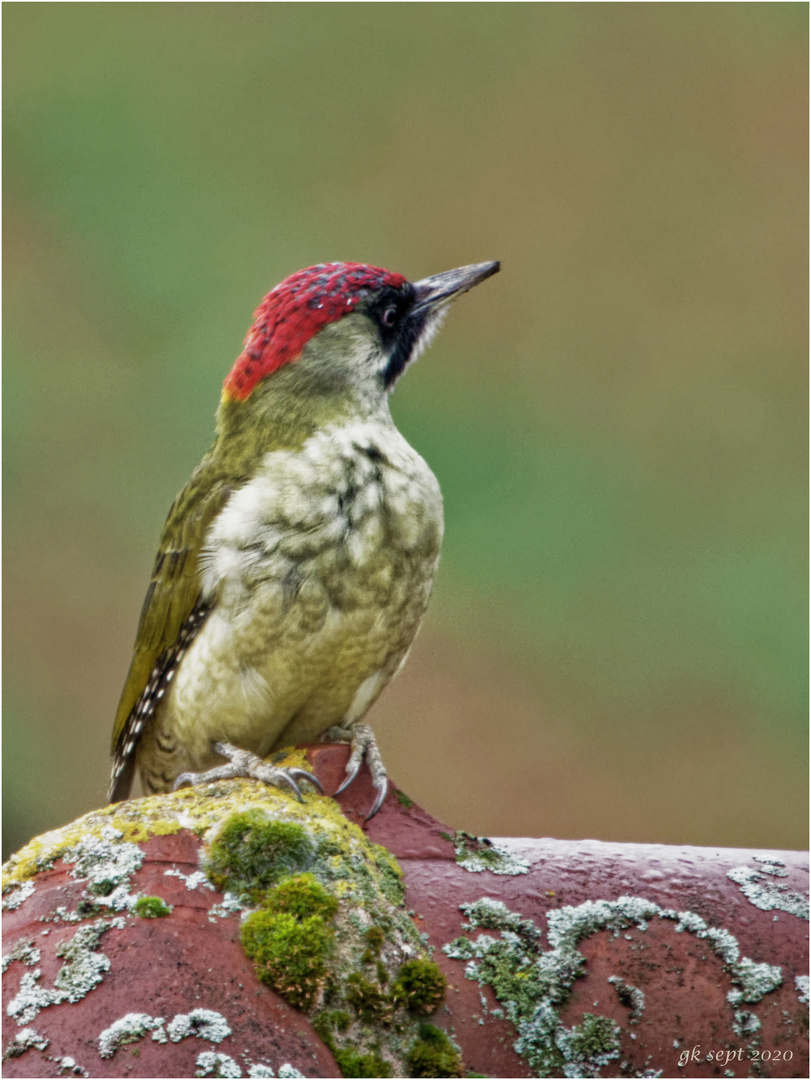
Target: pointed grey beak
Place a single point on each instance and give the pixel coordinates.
(436, 291)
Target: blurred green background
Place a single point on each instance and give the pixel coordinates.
(617, 644)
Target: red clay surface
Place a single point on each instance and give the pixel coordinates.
(166, 967)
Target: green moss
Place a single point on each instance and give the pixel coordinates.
(351, 1063)
(420, 986)
(404, 800)
(391, 876)
(301, 896)
(375, 937)
(289, 938)
(329, 921)
(289, 954)
(331, 1020)
(151, 907)
(341, 1019)
(433, 1054)
(371, 1003)
(323, 1027)
(253, 852)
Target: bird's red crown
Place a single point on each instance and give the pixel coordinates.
(295, 311)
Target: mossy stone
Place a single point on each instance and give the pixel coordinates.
(328, 1021)
(289, 954)
(420, 986)
(351, 1063)
(301, 896)
(253, 852)
(433, 1054)
(370, 1003)
(151, 907)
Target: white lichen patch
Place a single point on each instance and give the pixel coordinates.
(569, 925)
(67, 1067)
(533, 984)
(476, 854)
(14, 895)
(765, 894)
(127, 823)
(27, 1039)
(97, 855)
(203, 1024)
(745, 1024)
(630, 996)
(801, 985)
(212, 1063)
(495, 915)
(200, 1023)
(588, 1046)
(127, 1029)
(753, 981)
(61, 914)
(24, 951)
(773, 866)
(83, 969)
(231, 905)
(193, 881)
(106, 863)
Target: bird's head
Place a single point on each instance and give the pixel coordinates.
(337, 333)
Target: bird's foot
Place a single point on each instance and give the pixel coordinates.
(363, 745)
(244, 764)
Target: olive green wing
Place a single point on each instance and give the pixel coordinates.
(172, 613)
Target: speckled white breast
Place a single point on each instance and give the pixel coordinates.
(320, 569)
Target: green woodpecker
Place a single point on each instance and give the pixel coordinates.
(295, 566)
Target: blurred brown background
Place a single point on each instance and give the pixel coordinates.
(617, 645)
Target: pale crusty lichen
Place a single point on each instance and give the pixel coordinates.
(477, 854)
(766, 894)
(534, 984)
(84, 968)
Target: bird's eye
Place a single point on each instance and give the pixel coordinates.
(389, 317)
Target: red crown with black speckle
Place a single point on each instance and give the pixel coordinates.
(295, 311)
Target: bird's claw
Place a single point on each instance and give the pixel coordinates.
(364, 746)
(382, 787)
(292, 775)
(352, 770)
(243, 764)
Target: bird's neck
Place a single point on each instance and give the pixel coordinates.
(284, 417)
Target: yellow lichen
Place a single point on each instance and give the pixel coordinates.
(136, 832)
(199, 809)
